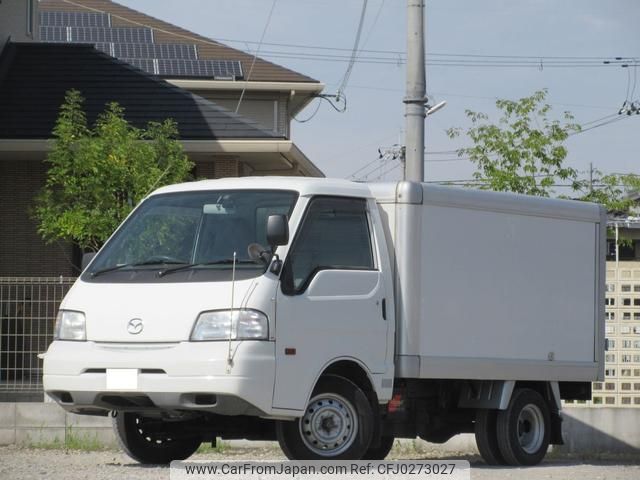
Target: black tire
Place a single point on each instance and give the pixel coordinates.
(486, 436)
(151, 448)
(524, 428)
(381, 451)
(343, 424)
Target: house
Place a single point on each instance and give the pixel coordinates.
(155, 71)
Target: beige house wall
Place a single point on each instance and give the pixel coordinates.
(270, 110)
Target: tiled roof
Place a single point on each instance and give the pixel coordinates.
(166, 33)
(34, 78)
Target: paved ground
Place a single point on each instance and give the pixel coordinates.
(19, 463)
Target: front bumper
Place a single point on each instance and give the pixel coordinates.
(171, 376)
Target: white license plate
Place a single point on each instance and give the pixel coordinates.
(122, 378)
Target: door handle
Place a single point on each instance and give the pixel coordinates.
(384, 308)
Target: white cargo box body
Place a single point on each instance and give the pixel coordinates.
(495, 286)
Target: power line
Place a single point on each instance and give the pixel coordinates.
(363, 167)
(602, 124)
(383, 161)
(386, 154)
(310, 117)
(441, 152)
(399, 164)
(373, 24)
(598, 119)
(326, 98)
(480, 97)
(398, 58)
(437, 54)
(354, 52)
(439, 160)
(399, 61)
(255, 56)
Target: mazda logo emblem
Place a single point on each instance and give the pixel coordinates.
(135, 326)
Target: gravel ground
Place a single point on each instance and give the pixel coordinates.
(23, 463)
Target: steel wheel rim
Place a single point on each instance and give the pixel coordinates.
(329, 426)
(531, 428)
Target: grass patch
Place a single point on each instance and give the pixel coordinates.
(220, 447)
(72, 441)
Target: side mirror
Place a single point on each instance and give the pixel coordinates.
(86, 259)
(277, 231)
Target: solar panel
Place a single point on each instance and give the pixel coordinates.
(111, 35)
(53, 34)
(135, 46)
(154, 50)
(145, 64)
(220, 69)
(75, 19)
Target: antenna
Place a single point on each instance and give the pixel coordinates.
(233, 287)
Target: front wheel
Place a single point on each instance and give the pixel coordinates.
(337, 424)
(524, 428)
(149, 441)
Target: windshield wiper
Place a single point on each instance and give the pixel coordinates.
(136, 264)
(226, 261)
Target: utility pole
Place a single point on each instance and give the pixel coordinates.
(590, 177)
(415, 99)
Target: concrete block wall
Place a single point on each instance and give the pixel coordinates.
(601, 430)
(31, 424)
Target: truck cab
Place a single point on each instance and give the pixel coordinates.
(188, 311)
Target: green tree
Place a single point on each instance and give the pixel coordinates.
(97, 175)
(612, 190)
(524, 152)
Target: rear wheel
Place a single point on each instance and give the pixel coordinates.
(337, 424)
(524, 428)
(486, 436)
(148, 440)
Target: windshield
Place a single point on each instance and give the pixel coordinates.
(200, 230)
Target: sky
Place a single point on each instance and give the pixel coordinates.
(344, 144)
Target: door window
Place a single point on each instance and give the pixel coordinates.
(334, 235)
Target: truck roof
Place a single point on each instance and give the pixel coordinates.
(401, 192)
(304, 185)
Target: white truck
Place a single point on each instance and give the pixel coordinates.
(393, 310)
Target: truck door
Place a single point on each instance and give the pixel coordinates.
(331, 298)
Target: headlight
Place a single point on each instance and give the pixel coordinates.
(70, 326)
(228, 324)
